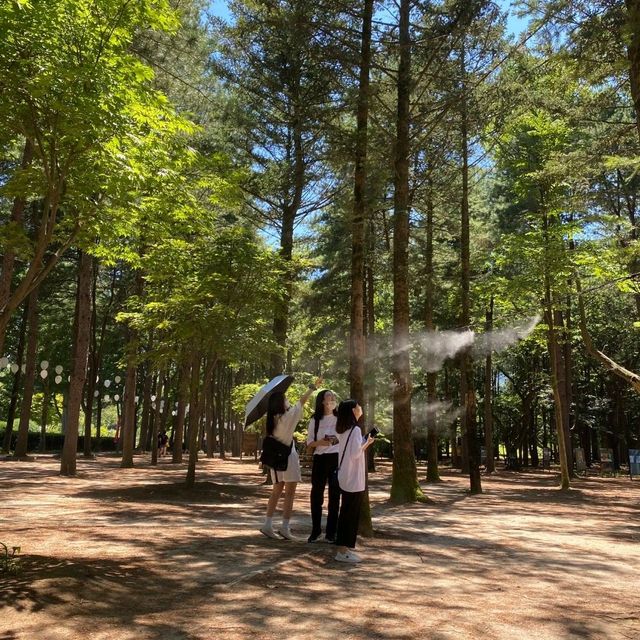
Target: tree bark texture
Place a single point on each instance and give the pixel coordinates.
(81, 336)
(404, 486)
(467, 395)
(29, 375)
(356, 342)
(433, 474)
(183, 390)
(129, 403)
(488, 397)
(155, 429)
(9, 256)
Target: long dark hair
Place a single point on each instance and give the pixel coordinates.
(274, 408)
(346, 419)
(318, 413)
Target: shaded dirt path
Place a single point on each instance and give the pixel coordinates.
(129, 554)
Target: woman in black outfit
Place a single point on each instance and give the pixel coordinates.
(322, 439)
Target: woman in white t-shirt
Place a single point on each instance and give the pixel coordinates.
(282, 419)
(351, 478)
(323, 440)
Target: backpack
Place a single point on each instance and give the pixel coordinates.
(275, 454)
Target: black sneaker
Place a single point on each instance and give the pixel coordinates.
(311, 539)
(330, 539)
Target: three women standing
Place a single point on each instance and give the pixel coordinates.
(322, 439)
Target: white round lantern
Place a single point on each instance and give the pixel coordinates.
(107, 383)
(116, 397)
(117, 379)
(43, 374)
(4, 362)
(14, 368)
(107, 397)
(58, 379)
(44, 365)
(58, 369)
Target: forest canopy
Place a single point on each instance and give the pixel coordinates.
(431, 205)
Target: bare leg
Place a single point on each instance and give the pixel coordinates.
(289, 495)
(276, 492)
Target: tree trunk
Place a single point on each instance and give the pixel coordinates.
(209, 413)
(143, 445)
(129, 404)
(42, 259)
(155, 429)
(357, 333)
(220, 412)
(44, 416)
(295, 153)
(433, 475)
(356, 342)
(183, 390)
(15, 387)
(633, 54)
(488, 398)
(404, 487)
(197, 408)
(467, 389)
(557, 382)
(370, 346)
(9, 256)
(29, 376)
(81, 335)
(564, 360)
(92, 363)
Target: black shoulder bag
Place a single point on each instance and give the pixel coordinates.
(275, 454)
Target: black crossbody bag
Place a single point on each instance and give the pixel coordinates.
(275, 454)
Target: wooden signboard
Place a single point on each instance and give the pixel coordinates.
(606, 462)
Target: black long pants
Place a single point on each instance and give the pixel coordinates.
(322, 473)
(349, 518)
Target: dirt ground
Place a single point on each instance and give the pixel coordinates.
(129, 554)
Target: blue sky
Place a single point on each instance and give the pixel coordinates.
(514, 24)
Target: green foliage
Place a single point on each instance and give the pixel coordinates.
(70, 84)
(212, 293)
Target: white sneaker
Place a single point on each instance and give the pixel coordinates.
(348, 557)
(269, 532)
(287, 535)
(353, 554)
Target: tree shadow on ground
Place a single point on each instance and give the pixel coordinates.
(205, 492)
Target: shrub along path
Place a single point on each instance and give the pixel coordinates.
(129, 554)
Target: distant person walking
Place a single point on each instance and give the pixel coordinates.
(282, 419)
(323, 440)
(351, 478)
(163, 440)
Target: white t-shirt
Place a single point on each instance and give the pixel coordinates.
(284, 433)
(351, 474)
(326, 427)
